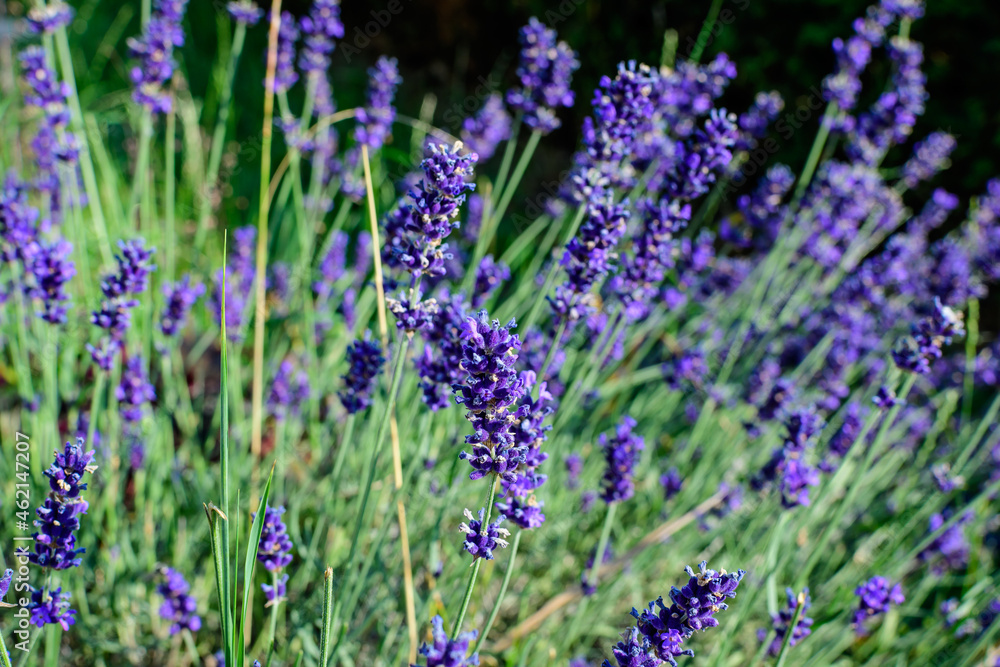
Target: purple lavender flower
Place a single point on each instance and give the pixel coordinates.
(634, 650)
(49, 18)
(621, 453)
(686, 371)
(644, 269)
(753, 124)
(445, 652)
(483, 132)
(574, 466)
(787, 465)
(930, 156)
(480, 539)
(51, 608)
(59, 516)
(491, 387)
(131, 278)
(530, 433)
(929, 336)
(544, 73)
(51, 270)
(892, 117)
(783, 619)
(841, 441)
(273, 594)
(5, 580)
(319, 29)
(433, 209)
(365, 360)
(179, 608)
(761, 212)
(440, 363)
(950, 550)
(489, 276)
(588, 256)
(885, 398)
(853, 57)
(875, 597)
(245, 11)
(274, 550)
(135, 390)
(285, 75)
(692, 608)
(289, 391)
(180, 298)
(376, 118)
(54, 146)
(155, 52)
(671, 482)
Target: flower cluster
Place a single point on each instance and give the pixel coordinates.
(274, 553)
(783, 619)
(490, 275)
(787, 465)
(289, 390)
(482, 538)
(445, 652)
(119, 288)
(621, 453)
(51, 608)
(59, 516)
(692, 608)
(545, 72)
(589, 256)
(365, 361)
(50, 270)
(179, 607)
(376, 117)
(875, 597)
(521, 506)
(928, 337)
(483, 132)
(135, 391)
(285, 74)
(46, 19)
(491, 387)
(320, 28)
(155, 52)
(180, 297)
(244, 11)
(440, 364)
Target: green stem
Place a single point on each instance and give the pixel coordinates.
(492, 223)
(971, 341)
(508, 156)
(345, 443)
(855, 488)
(169, 193)
(503, 591)
(324, 642)
(479, 561)
(706, 29)
(790, 630)
(4, 658)
(602, 544)
(219, 136)
(85, 161)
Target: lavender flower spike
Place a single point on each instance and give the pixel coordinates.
(621, 452)
(179, 608)
(59, 516)
(365, 359)
(545, 72)
(376, 118)
(783, 619)
(481, 540)
(875, 597)
(445, 652)
(491, 387)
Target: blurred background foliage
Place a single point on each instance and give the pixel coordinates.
(456, 50)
